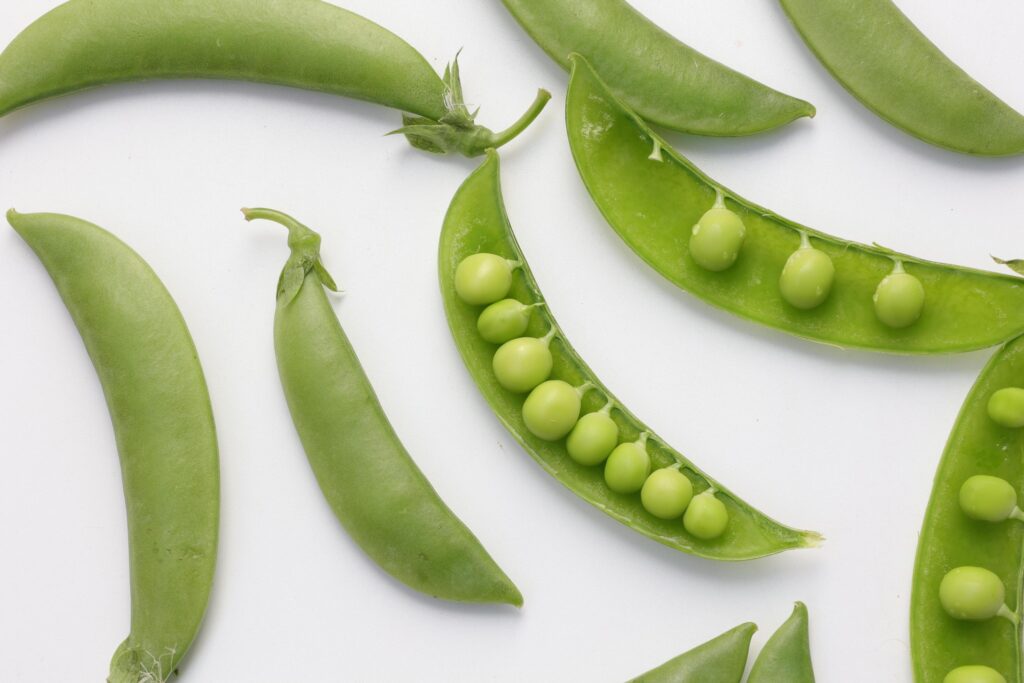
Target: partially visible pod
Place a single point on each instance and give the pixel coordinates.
(786, 657)
(160, 410)
(965, 604)
(749, 261)
(883, 60)
(717, 524)
(663, 80)
(720, 660)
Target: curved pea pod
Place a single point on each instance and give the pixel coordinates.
(786, 657)
(160, 410)
(883, 60)
(720, 660)
(476, 223)
(306, 44)
(652, 199)
(665, 81)
(951, 538)
(372, 484)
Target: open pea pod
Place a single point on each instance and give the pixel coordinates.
(476, 224)
(652, 197)
(720, 660)
(976, 526)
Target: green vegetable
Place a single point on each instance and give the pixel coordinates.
(884, 61)
(717, 237)
(375, 489)
(652, 204)
(503, 321)
(786, 657)
(1006, 407)
(628, 466)
(476, 224)
(666, 82)
(989, 499)
(593, 438)
(300, 43)
(721, 660)
(706, 517)
(899, 298)
(483, 278)
(160, 409)
(973, 594)
(522, 364)
(667, 493)
(974, 674)
(807, 277)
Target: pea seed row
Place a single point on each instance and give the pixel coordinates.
(807, 277)
(552, 407)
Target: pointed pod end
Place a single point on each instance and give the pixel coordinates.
(811, 539)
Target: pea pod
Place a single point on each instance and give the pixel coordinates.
(306, 44)
(663, 80)
(883, 60)
(720, 660)
(160, 409)
(476, 223)
(787, 654)
(783, 275)
(375, 489)
(963, 537)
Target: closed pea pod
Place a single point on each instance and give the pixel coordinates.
(720, 660)
(160, 410)
(786, 657)
(374, 488)
(652, 205)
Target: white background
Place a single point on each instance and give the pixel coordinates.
(842, 442)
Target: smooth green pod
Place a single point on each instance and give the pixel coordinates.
(160, 409)
(665, 81)
(374, 488)
(653, 204)
(883, 60)
(306, 44)
(720, 660)
(475, 223)
(949, 538)
(786, 657)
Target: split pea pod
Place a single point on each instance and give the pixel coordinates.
(966, 599)
(753, 263)
(160, 410)
(306, 44)
(883, 60)
(663, 80)
(720, 660)
(569, 422)
(374, 488)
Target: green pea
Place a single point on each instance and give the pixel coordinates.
(666, 493)
(899, 298)
(989, 499)
(807, 277)
(552, 409)
(628, 466)
(974, 673)
(522, 364)
(717, 237)
(483, 279)
(706, 517)
(1006, 407)
(973, 594)
(593, 438)
(504, 320)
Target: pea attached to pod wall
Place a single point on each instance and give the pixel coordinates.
(483, 278)
(974, 674)
(594, 437)
(504, 320)
(974, 594)
(1006, 407)
(989, 499)
(899, 298)
(807, 277)
(628, 467)
(706, 517)
(523, 363)
(717, 237)
(553, 408)
(667, 493)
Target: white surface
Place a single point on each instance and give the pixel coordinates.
(842, 442)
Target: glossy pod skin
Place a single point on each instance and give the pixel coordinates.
(883, 60)
(787, 654)
(652, 203)
(950, 538)
(306, 44)
(374, 488)
(160, 410)
(663, 80)
(476, 223)
(720, 660)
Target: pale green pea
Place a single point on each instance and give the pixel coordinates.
(552, 409)
(717, 237)
(899, 298)
(807, 277)
(593, 438)
(1006, 407)
(504, 320)
(974, 673)
(628, 466)
(974, 594)
(666, 493)
(989, 499)
(522, 364)
(483, 278)
(706, 517)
